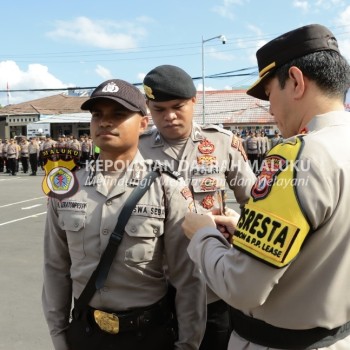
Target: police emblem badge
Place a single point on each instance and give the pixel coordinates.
(59, 165)
(206, 147)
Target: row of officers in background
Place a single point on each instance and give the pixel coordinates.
(256, 144)
(27, 152)
(16, 151)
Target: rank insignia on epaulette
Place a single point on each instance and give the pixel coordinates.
(197, 133)
(237, 144)
(165, 169)
(136, 174)
(206, 147)
(157, 139)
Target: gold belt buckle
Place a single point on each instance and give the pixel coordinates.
(107, 322)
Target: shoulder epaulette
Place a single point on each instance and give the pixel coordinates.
(217, 128)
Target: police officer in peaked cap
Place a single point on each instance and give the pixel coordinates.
(287, 274)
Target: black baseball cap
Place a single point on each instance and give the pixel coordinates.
(296, 43)
(167, 82)
(119, 91)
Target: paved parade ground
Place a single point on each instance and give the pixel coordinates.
(22, 220)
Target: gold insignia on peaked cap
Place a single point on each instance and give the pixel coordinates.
(148, 92)
(286, 47)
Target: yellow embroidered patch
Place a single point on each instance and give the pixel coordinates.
(267, 236)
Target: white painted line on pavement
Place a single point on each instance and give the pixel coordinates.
(24, 218)
(27, 200)
(32, 206)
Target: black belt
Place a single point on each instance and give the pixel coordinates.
(156, 314)
(262, 333)
(217, 307)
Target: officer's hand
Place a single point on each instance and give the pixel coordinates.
(194, 222)
(227, 223)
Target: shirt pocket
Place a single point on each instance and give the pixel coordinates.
(143, 240)
(73, 223)
(205, 191)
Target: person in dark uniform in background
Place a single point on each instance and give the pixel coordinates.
(12, 157)
(208, 157)
(79, 227)
(2, 163)
(34, 150)
(292, 238)
(24, 154)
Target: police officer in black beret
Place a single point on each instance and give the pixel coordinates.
(208, 157)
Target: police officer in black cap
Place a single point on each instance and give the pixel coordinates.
(127, 308)
(208, 157)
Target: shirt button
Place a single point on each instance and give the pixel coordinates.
(109, 203)
(76, 225)
(133, 229)
(105, 231)
(155, 230)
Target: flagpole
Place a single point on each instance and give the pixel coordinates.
(8, 93)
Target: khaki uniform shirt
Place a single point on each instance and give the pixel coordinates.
(263, 145)
(77, 232)
(276, 140)
(33, 148)
(12, 151)
(24, 149)
(252, 145)
(313, 290)
(212, 158)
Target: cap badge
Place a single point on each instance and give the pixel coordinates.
(148, 92)
(110, 87)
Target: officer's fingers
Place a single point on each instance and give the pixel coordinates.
(193, 222)
(230, 222)
(231, 212)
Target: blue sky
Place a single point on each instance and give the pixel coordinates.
(68, 43)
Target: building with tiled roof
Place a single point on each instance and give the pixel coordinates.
(231, 108)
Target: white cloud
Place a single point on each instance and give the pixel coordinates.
(302, 4)
(103, 72)
(104, 34)
(226, 8)
(141, 76)
(36, 76)
(222, 56)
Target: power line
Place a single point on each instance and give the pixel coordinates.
(229, 74)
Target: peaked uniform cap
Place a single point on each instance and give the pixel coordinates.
(167, 82)
(281, 50)
(119, 91)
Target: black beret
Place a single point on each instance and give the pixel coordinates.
(119, 91)
(166, 82)
(281, 50)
